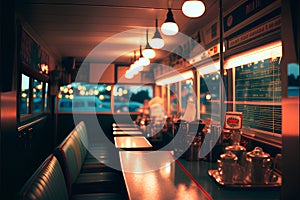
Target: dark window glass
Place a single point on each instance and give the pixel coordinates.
(174, 99)
(37, 95)
(83, 97)
(187, 93)
(210, 95)
(46, 97)
(130, 98)
(25, 94)
(78, 104)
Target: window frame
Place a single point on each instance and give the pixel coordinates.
(31, 114)
(112, 99)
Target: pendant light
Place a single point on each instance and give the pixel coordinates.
(157, 42)
(143, 61)
(148, 52)
(129, 74)
(193, 8)
(132, 69)
(170, 27)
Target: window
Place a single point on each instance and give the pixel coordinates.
(210, 95)
(174, 99)
(78, 104)
(84, 97)
(37, 94)
(46, 104)
(293, 80)
(33, 97)
(25, 94)
(187, 93)
(258, 95)
(130, 98)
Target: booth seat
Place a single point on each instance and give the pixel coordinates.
(97, 161)
(48, 183)
(95, 176)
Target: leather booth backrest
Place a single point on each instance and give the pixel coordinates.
(68, 157)
(82, 133)
(71, 154)
(81, 129)
(47, 183)
(79, 146)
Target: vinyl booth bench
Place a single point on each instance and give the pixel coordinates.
(71, 172)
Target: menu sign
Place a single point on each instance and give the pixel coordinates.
(258, 94)
(259, 81)
(233, 120)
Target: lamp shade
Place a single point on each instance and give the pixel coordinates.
(128, 74)
(149, 53)
(134, 68)
(144, 61)
(157, 42)
(193, 8)
(138, 66)
(170, 27)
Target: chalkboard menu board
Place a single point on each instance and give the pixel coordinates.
(258, 94)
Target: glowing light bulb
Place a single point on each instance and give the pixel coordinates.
(193, 8)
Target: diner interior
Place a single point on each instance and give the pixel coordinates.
(160, 99)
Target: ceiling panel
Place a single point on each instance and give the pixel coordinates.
(75, 27)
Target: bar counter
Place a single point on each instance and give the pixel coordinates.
(156, 176)
(130, 142)
(198, 170)
(179, 179)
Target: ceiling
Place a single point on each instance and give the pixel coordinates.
(73, 28)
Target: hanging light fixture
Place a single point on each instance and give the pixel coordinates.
(148, 52)
(157, 42)
(129, 74)
(170, 27)
(193, 8)
(143, 61)
(132, 69)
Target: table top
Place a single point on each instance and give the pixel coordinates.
(155, 175)
(132, 142)
(121, 125)
(127, 133)
(125, 128)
